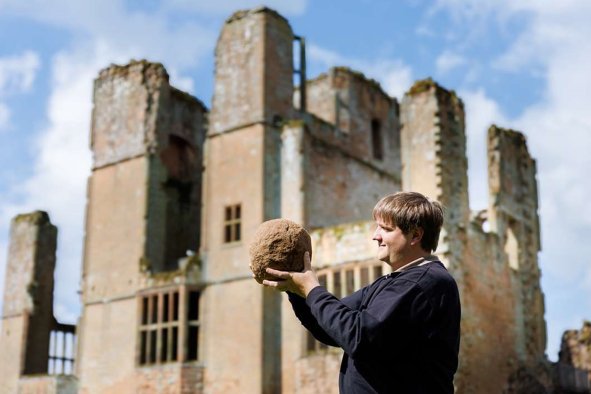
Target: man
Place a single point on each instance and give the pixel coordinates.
(400, 334)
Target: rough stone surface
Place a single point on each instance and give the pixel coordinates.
(48, 384)
(279, 244)
(143, 213)
(575, 349)
(27, 317)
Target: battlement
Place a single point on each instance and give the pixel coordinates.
(136, 110)
(242, 14)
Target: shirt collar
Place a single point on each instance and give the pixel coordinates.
(418, 262)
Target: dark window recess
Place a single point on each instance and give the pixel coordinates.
(376, 140)
(336, 283)
(322, 280)
(162, 317)
(377, 272)
(193, 323)
(180, 210)
(364, 276)
(349, 282)
(232, 223)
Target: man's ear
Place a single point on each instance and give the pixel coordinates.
(417, 235)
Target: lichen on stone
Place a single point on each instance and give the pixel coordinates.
(35, 217)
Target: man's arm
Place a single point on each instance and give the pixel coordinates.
(302, 312)
(363, 332)
(298, 285)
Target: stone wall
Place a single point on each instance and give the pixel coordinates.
(27, 315)
(340, 188)
(143, 213)
(354, 105)
(575, 349)
(253, 71)
(252, 97)
(514, 216)
(48, 384)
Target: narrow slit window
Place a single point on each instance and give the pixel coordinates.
(193, 323)
(322, 280)
(336, 283)
(376, 140)
(364, 276)
(349, 282)
(232, 223)
(377, 271)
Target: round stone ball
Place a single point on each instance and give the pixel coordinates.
(278, 244)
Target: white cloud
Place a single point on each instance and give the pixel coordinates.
(221, 7)
(4, 116)
(481, 112)
(393, 74)
(17, 72)
(448, 61)
(181, 82)
(62, 167)
(17, 75)
(554, 45)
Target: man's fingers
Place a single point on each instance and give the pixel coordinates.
(274, 284)
(270, 283)
(278, 274)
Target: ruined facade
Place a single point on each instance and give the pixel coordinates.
(177, 192)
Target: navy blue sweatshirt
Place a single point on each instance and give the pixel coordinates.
(400, 334)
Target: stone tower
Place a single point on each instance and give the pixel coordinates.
(252, 96)
(27, 316)
(434, 159)
(514, 215)
(142, 222)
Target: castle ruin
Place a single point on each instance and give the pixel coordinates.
(177, 191)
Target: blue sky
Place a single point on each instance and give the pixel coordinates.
(520, 64)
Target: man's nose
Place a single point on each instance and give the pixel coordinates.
(377, 236)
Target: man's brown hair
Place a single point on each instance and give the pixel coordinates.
(409, 211)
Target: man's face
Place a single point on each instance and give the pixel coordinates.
(393, 245)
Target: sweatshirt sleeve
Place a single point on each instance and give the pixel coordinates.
(303, 313)
(362, 331)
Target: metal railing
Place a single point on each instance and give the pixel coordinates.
(62, 348)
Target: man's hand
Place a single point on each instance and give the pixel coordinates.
(300, 283)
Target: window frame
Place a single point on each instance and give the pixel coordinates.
(232, 224)
(155, 326)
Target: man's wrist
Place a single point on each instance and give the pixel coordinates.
(308, 289)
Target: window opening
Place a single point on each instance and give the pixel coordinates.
(232, 223)
(159, 328)
(376, 140)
